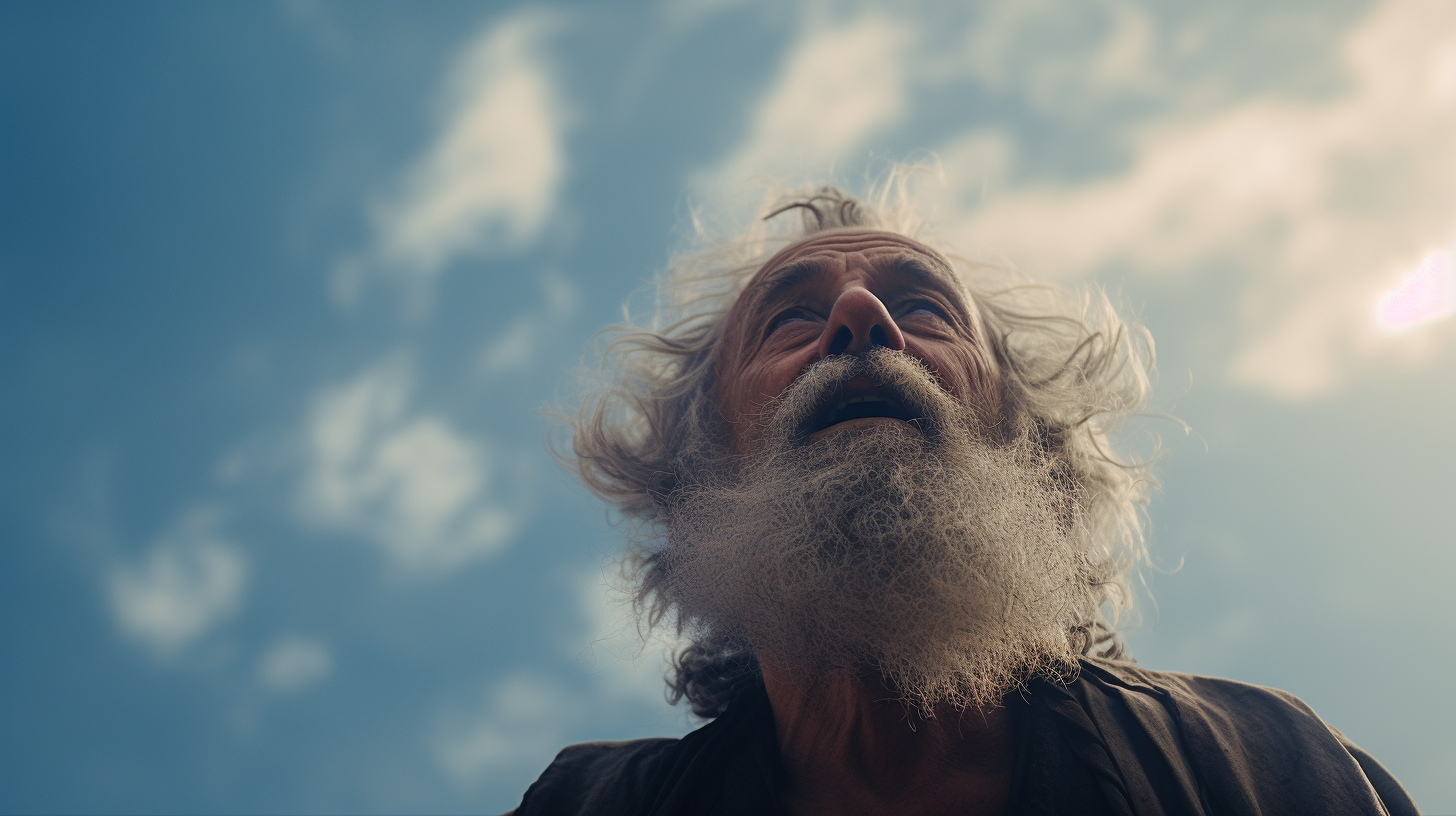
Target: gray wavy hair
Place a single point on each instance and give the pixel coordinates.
(647, 425)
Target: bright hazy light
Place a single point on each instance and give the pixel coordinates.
(1429, 294)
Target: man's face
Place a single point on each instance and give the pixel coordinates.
(846, 291)
(920, 545)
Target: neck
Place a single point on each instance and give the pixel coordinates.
(848, 745)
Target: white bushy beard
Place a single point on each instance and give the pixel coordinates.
(943, 562)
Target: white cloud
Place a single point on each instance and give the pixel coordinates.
(295, 663)
(1051, 56)
(1327, 204)
(1427, 295)
(490, 179)
(622, 666)
(525, 718)
(521, 725)
(410, 482)
(839, 85)
(190, 580)
(1311, 208)
(515, 348)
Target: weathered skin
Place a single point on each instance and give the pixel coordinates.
(847, 744)
(880, 288)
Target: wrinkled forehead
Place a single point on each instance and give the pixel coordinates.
(798, 261)
(847, 240)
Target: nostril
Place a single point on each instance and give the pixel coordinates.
(841, 341)
(878, 336)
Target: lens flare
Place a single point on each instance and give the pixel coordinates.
(1429, 294)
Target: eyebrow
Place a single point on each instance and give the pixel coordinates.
(919, 265)
(790, 276)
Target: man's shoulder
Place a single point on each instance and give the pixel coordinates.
(596, 777)
(1245, 737)
(1214, 710)
(1235, 710)
(1185, 688)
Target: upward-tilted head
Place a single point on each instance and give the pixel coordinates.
(845, 291)
(850, 453)
(872, 493)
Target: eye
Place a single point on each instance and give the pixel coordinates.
(795, 315)
(922, 308)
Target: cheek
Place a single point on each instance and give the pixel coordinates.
(967, 376)
(742, 394)
(759, 385)
(738, 395)
(739, 409)
(985, 388)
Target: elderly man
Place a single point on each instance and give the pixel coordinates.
(876, 499)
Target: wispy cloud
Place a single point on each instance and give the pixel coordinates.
(524, 718)
(1428, 295)
(295, 663)
(190, 580)
(839, 85)
(1319, 206)
(624, 667)
(489, 181)
(408, 481)
(1326, 204)
(516, 347)
(1056, 58)
(521, 724)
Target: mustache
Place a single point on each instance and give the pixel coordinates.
(897, 384)
(944, 564)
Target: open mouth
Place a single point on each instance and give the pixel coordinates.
(859, 403)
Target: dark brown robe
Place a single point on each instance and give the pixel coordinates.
(1118, 740)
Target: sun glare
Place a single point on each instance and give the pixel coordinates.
(1427, 295)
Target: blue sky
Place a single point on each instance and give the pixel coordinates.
(285, 287)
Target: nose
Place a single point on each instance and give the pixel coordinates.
(858, 321)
